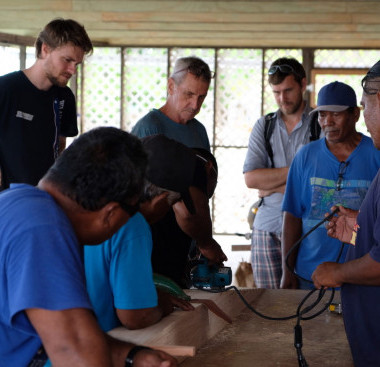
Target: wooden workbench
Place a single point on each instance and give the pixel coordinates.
(249, 340)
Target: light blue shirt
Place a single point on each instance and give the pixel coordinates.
(119, 272)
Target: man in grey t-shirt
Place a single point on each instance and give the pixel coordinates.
(291, 131)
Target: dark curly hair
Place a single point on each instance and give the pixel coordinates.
(103, 165)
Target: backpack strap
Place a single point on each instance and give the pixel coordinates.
(268, 130)
(315, 128)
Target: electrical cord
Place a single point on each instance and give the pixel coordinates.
(297, 244)
(300, 311)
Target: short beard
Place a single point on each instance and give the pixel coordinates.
(55, 81)
(295, 108)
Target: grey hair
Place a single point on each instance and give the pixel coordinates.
(150, 191)
(193, 65)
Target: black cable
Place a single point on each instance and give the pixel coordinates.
(296, 245)
(300, 312)
(284, 318)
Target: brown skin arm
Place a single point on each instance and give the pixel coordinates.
(264, 193)
(199, 226)
(291, 232)
(141, 318)
(73, 338)
(363, 271)
(62, 143)
(266, 178)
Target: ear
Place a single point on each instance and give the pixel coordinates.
(303, 84)
(45, 50)
(171, 86)
(357, 114)
(109, 215)
(378, 97)
(160, 200)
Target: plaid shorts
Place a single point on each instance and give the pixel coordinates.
(266, 259)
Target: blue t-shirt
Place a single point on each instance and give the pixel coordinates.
(311, 192)
(192, 134)
(361, 303)
(119, 272)
(40, 267)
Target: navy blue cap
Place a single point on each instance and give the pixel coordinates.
(335, 97)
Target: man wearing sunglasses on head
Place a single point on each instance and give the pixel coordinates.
(268, 160)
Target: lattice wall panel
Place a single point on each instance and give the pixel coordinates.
(144, 82)
(102, 89)
(238, 95)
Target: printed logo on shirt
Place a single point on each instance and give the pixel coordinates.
(24, 115)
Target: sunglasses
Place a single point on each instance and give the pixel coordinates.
(368, 87)
(286, 69)
(342, 171)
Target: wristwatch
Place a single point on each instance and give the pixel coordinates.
(132, 353)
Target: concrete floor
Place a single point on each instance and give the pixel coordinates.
(253, 341)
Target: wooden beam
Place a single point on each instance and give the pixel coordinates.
(190, 327)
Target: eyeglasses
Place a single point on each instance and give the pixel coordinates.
(368, 87)
(196, 71)
(342, 171)
(287, 69)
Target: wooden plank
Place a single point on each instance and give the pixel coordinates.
(175, 350)
(207, 41)
(240, 247)
(193, 328)
(94, 24)
(259, 7)
(290, 18)
(253, 341)
(263, 36)
(27, 5)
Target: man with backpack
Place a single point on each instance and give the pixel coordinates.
(273, 143)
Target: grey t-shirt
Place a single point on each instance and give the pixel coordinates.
(285, 147)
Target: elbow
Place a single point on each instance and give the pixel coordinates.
(250, 180)
(139, 319)
(134, 325)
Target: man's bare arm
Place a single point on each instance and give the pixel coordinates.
(266, 178)
(363, 271)
(291, 233)
(199, 226)
(141, 318)
(65, 336)
(62, 143)
(73, 338)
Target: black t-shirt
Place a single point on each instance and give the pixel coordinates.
(170, 244)
(31, 121)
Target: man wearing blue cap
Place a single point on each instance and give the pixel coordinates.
(324, 173)
(359, 276)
